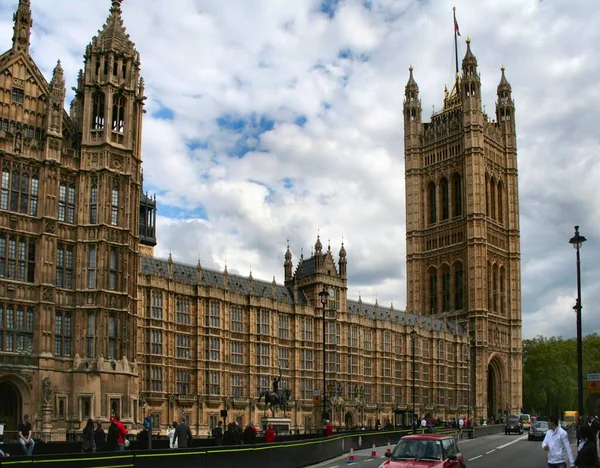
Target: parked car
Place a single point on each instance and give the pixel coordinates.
(538, 430)
(433, 450)
(525, 420)
(513, 424)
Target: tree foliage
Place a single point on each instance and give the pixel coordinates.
(550, 373)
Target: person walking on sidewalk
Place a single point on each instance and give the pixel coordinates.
(556, 443)
(587, 455)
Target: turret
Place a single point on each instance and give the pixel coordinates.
(22, 27)
(57, 101)
(342, 263)
(505, 106)
(471, 84)
(318, 253)
(412, 106)
(287, 264)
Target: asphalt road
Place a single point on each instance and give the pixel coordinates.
(494, 451)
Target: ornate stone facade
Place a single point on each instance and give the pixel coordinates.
(462, 224)
(93, 324)
(70, 213)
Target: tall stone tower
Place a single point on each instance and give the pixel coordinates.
(72, 222)
(462, 229)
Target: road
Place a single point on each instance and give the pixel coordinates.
(494, 451)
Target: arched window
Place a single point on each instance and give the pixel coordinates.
(94, 204)
(114, 206)
(90, 336)
(98, 119)
(487, 195)
(445, 196)
(502, 291)
(500, 203)
(492, 198)
(459, 286)
(446, 288)
(495, 289)
(489, 286)
(112, 336)
(456, 195)
(432, 203)
(433, 291)
(118, 113)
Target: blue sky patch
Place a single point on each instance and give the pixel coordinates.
(329, 7)
(300, 121)
(164, 113)
(288, 183)
(177, 212)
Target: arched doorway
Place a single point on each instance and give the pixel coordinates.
(10, 408)
(349, 419)
(495, 391)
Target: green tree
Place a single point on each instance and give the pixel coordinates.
(550, 373)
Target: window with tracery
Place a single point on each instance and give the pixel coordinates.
(459, 286)
(433, 291)
(456, 195)
(94, 204)
(118, 113)
(432, 203)
(66, 202)
(114, 206)
(19, 189)
(445, 194)
(64, 266)
(17, 257)
(98, 119)
(446, 289)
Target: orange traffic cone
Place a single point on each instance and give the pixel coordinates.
(373, 450)
(389, 447)
(351, 460)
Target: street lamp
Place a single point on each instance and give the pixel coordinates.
(469, 386)
(413, 337)
(324, 294)
(577, 240)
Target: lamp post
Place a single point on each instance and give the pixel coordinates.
(413, 337)
(577, 241)
(469, 386)
(323, 295)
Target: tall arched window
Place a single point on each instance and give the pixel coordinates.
(94, 204)
(114, 206)
(118, 113)
(432, 203)
(445, 197)
(112, 336)
(433, 291)
(492, 198)
(487, 195)
(459, 286)
(98, 118)
(495, 289)
(489, 286)
(502, 291)
(456, 195)
(500, 202)
(91, 335)
(446, 288)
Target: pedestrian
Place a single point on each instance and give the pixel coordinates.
(555, 442)
(183, 434)
(270, 434)
(328, 428)
(171, 435)
(122, 433)
(24, 432)
(89, 437)
(99, 438)
(249, 434)
(587, 454)
(112, 437)
(217, 433)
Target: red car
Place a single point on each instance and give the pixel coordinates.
(425, 451)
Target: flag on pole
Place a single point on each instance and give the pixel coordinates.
(456, 26)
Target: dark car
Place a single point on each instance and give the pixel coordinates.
(425, 450)
(513, 424)
(538, 430)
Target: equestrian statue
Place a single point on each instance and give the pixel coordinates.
(276, 398)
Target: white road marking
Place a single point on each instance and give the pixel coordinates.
(512, 442)
(491, 451)
(370, 459)
(475, 458)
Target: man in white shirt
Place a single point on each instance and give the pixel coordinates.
(556, 443)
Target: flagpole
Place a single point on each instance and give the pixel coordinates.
(455, 38)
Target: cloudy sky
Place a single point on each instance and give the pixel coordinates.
(271, 120)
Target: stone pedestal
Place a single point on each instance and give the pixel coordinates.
(46, 434)
(282, 426)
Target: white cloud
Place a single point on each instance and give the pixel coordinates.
(343, 171)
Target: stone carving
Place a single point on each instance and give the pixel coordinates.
(54, 144)
(49, 227)
(116, 163)
(46, 390)
(48, 294)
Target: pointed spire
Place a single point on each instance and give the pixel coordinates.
(225, 272)
(411, 79)
(504, 84)
(288, 253)
(469, 57)
(342, 251)
(113, 35)
(22, 27)
(58, 76)
(318, 245)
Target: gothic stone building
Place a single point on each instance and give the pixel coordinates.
(70, 214)
(91, 323)
(462, 229)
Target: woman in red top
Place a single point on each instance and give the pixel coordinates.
(122, 434)
(270, 435)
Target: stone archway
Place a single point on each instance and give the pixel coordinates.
(496, 391)
(10, 408)
(349, 419)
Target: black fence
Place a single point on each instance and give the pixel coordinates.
(287, 452)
